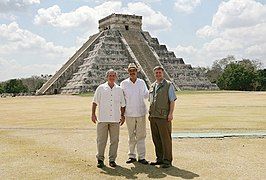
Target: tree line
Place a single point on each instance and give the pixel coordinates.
(228, 73)
(232, 74)
(25, 85)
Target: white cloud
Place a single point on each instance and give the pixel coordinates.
(14, 38)
(222, 45)
(186, 6)
(239, 13)
(150, 1)
(257, 50)
(8, 16)
(188, 53)
(87, 17)
(184, 51)
(84, 16)
(7, 7)
(238, 28)
(12, 69)
(29, 53)
(152, 20)
(16, 5)
(102, 1)
(207, 31)
(246, 35)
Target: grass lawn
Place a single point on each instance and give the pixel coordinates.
(194, 111)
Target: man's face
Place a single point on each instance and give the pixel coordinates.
(132, 73)
(111, 78)
(159, 74)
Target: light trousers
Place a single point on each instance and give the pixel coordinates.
(103, 128)
(136, 136)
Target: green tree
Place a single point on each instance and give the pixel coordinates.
(15, 86)
(34, 82)
(1, 88)
(237, 76)
(218, 67)
(261, 79)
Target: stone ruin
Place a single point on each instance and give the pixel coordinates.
(121, 41)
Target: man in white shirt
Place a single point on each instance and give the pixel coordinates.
(110, 100)
(135, 91)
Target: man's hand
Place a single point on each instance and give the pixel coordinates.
(171, 110)
(93, 118)
(93, 109)
(170, 117)
(122, 120)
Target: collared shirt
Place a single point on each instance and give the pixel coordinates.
(171, 91)
(109, 101)
(135, 93)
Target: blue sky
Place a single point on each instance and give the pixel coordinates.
(37, 36)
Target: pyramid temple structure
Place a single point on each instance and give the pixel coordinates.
(121, 41)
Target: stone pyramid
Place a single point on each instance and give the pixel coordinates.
(121, 41)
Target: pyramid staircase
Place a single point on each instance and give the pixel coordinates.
(145, 54)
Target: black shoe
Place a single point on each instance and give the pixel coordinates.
(112, 164)
(143, 161)
(100, 164)
(166, 165)
(156, 163)
(130, 160)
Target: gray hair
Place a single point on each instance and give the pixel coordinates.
(110, 71)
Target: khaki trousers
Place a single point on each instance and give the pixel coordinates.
(136, 136)
(103, 128)
(161, 136)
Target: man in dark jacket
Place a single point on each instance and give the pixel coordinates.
(162, 102)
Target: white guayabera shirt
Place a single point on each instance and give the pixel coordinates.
(109, 101)
(135, 93)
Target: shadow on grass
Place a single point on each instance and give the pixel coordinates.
(151, 172)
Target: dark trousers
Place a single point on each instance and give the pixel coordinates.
(161, 136)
